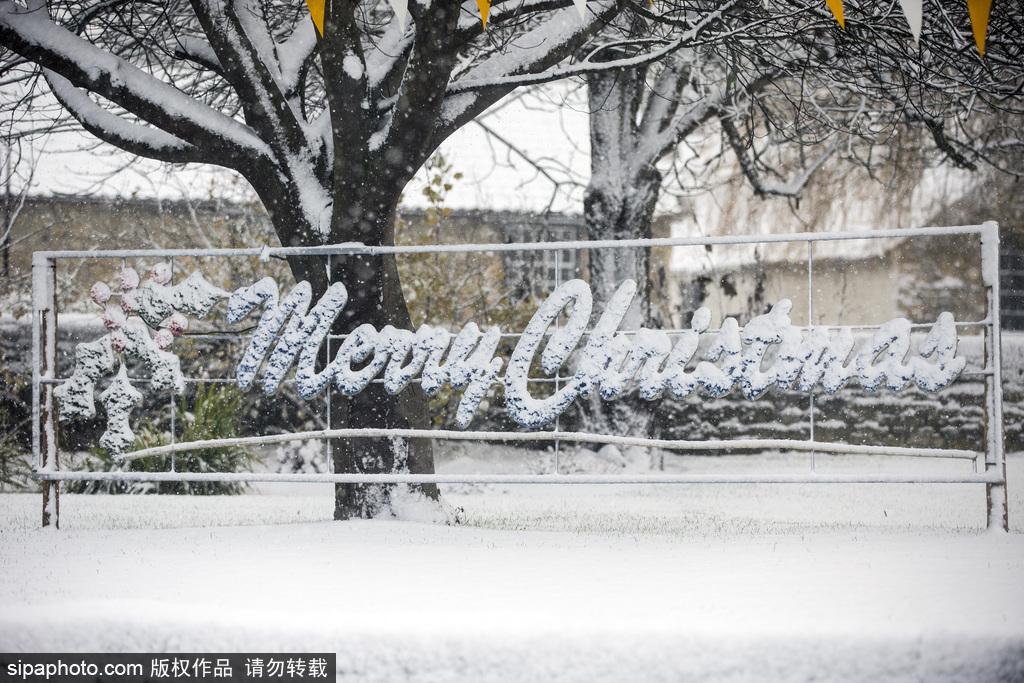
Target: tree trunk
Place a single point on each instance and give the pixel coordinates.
(623, 189)
(366, 177)
(375, 297)
(619, 204)
(624, 215)
(621, 213)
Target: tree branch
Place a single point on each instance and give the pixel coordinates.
(199, 52)
(421, 92)
(793, 188)
(246, 52)
(111, 128)
(31, 34)
(515, 75)
(562, 34)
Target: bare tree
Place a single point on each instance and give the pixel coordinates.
(785, 91)
(328, 130)
(778, 92)
(18, 163)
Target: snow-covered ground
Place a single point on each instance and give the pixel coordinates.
(542, 583)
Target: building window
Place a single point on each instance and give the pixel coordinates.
(1011, 284)
(539, 272)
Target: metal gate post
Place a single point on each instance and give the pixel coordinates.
(44, 362)
(995, 494)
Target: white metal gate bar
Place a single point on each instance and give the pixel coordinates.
(659, 478)
(556, 436)
(650, 242)
(989, 463)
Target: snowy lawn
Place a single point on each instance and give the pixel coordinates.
(667, 583)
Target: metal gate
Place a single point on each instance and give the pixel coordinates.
(988, 462)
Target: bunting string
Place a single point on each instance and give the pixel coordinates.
(979, 11)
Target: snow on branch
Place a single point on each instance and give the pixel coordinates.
(239, 34)
(252, 19)
(294, 54)
(479, 84)
(513, 69)
(30, 33)
(111, 128)
(791, 188)
(387, 56)
(199, 52)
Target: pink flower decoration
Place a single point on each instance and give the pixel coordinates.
(112, 317)
(160, 273)
(100, 293)
(130, 302)
(118, 340)
(163, 338)
(176, 323)
(127, 278)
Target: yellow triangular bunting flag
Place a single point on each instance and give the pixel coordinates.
(316, 11)
(837, 11)
(485, 10)
(979, 10)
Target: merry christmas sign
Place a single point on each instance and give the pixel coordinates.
(595, 356)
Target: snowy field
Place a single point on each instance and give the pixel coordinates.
(543, 583)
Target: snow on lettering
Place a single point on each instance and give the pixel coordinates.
(769, 352)
(605, 359)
